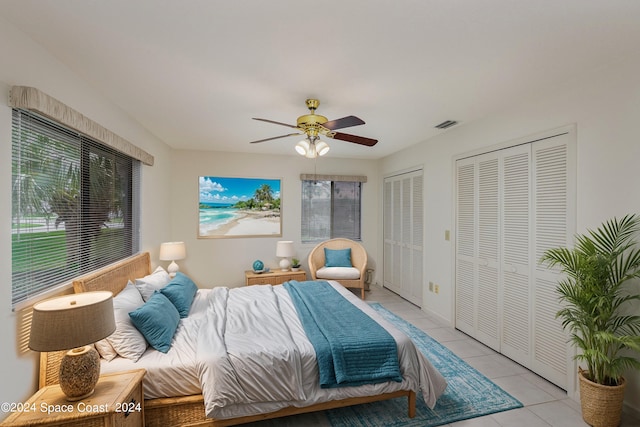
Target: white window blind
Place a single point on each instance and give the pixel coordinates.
(74, 205)
(330, 209)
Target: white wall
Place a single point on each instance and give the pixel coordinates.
(605, 106)
(25, 63)
(222, 262)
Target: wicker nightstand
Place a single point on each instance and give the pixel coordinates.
(274, 277)
(117, 401)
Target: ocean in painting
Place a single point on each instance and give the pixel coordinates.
(214, 216)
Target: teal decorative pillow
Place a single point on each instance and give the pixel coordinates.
(157, 320)
(337, 257)
(181, 291)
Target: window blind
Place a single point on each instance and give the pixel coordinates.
(330, 209)
(74, 205)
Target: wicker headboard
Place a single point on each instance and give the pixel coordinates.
(115, 277)
(112, 278)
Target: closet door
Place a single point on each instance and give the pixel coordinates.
(488, 249)
(554, 227)
(466, 267)
(511, 205)
(515, 245)
(403, 235)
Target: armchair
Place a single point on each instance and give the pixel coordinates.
(349, 277)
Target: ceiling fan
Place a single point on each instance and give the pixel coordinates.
(314, 125)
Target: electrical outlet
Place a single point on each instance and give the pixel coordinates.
(447, 235)
(436, 289)
(430, 286)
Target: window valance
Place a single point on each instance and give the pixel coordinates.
(32, 99)
(343, 178)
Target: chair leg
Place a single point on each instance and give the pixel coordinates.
(362, 292)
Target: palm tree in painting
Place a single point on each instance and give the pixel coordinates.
(264, 195)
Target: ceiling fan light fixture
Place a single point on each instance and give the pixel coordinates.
(311, 152)
(302, 147)
(322, 148)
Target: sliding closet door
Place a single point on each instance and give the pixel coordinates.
(403, 235)
(511, 205)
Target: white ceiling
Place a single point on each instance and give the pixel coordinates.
(194, 72)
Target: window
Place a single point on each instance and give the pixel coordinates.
(74, 205)
(330, 209)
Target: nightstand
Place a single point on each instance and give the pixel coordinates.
(117, 401)
(273, 277)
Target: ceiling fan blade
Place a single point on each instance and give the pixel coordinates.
(277, 123)
(355, 139)
(344, 122)
(275, 137)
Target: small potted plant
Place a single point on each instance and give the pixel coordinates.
(598, 293)
(295, 264)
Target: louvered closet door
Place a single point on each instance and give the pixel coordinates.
(403, 235)
(554, 207)
(488, 249)
(466, 266)
(516, 253)
(512, 205)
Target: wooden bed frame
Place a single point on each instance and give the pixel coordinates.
(185, 410)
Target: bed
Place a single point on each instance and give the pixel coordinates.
(190, 406)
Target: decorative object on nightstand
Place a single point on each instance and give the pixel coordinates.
(284, 250)
(74, 322)
(258, 266)
(295, 264)
(173, 251)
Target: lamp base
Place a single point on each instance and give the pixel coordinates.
(285, 264)
(173, 269)
(79, 372)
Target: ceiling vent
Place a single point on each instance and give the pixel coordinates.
(446, 124)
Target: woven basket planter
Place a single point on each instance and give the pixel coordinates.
(601, 404)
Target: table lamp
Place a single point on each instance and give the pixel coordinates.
(284, 249)
(172, 251)
(74, 322)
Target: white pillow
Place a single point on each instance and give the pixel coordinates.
(106, 350)
(127, 341)
(153, 282)
(337, 273)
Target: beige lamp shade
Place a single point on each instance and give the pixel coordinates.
(171, 251)
(71, 321)
(284, 249)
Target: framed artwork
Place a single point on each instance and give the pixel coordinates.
(239, 207)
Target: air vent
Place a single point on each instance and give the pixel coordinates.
(446, 124)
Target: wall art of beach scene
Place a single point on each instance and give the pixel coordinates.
(239, 207)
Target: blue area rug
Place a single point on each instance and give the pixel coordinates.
(469, 394)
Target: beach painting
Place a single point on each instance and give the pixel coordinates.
(239, 207)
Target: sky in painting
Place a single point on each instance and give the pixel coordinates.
(215, 189)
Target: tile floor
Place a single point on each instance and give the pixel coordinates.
(544, 404)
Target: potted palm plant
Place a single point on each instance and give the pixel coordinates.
(597, 296)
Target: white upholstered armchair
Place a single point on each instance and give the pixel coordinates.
(349, 274)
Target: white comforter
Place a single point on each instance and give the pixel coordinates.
(246, 351)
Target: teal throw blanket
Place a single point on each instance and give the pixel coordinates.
(351, 348)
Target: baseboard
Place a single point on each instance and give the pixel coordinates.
(630, 410)
(444, 320)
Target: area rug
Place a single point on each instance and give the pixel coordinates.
(469, 394)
